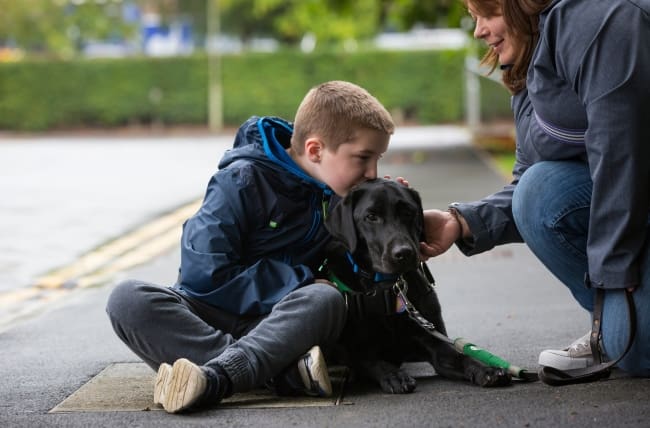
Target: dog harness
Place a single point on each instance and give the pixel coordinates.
(383, 299)
(380, 300)
(389, 297)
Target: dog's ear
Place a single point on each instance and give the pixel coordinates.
(419, 216)
(340, 221)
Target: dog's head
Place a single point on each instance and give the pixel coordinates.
(380, 223)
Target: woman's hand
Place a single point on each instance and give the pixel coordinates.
(441, 230)
(400, 180)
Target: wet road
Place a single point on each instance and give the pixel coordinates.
(78, 210)
(63, 197)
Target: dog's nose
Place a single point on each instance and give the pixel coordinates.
(403, 253)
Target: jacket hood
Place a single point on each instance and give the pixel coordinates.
(264, 140)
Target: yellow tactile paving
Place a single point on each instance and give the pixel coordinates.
(98, 266)
(111, 252)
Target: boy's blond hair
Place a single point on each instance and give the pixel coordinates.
(334, 110)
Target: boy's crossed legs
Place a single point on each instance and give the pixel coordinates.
(216, 353)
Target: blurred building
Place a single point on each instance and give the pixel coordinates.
(421, 38)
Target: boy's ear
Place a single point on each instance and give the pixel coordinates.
(313, 149)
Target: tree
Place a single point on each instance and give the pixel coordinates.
(60, 27)
(334, 20)
(405, 14)
(290, 20)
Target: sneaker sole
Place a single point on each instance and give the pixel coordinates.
(314, 374)
(162, 378)
(182, 387)
(563, 362)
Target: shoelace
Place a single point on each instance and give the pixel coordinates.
(581, 345)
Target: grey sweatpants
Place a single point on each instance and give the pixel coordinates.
(160, 325)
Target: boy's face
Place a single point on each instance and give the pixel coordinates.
(354, 161)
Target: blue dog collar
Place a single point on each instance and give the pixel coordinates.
(374, 276)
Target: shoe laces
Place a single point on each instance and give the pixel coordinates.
(582, 345)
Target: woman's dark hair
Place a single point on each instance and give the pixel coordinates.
(522, 20)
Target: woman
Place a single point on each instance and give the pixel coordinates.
(580, 196)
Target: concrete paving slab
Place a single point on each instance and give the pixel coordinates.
(119, 387)
(128, 387)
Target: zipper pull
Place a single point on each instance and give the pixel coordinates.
(325, 203)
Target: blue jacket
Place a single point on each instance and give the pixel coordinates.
(259, 233)
(587, 99)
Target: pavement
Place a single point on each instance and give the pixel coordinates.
(503, 301)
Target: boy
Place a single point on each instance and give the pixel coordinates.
(246, 305)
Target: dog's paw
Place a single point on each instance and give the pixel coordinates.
(488, 376)
(397, 382)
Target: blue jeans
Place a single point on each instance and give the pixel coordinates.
(551, 209)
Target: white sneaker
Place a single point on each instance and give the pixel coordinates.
(314, 375)
(576, 356)
(180, 386)
(162, 383)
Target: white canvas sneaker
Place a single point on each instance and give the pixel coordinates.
(162, 383)
(180, 386)
(314, 375)
(576, 356)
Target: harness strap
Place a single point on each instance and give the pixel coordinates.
(340, 285)
(599, 370)
(460, 344)
(361, 305)
(380, 301)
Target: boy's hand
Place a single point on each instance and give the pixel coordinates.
(324, 281)
(441, 230)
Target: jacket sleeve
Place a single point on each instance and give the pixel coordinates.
(490, 219)
(214, 264)
(611, 80)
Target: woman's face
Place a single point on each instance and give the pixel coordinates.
(493, 31)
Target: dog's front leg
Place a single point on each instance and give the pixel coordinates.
(450, 363)
(483, 375)
(390, 378)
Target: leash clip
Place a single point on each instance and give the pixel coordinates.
(400, 286)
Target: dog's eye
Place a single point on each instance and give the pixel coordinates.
(371, 217)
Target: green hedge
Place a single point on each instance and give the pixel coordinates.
(418, 87)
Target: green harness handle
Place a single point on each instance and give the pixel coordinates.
(492, 360)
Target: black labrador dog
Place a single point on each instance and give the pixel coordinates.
(377, 229)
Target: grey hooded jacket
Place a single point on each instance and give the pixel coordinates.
(588, 99)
